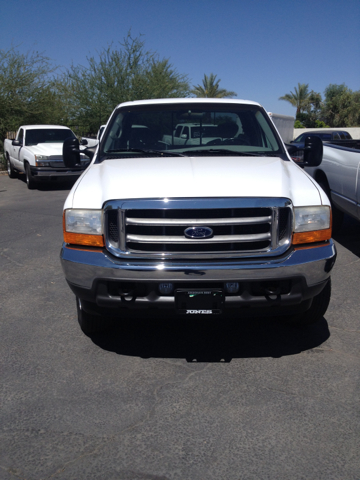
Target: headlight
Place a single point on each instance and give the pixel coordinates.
(311, 224)
(307, 219)
(83, 227)
(83, 221)
(41, 160)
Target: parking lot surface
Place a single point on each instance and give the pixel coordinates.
(158, 398)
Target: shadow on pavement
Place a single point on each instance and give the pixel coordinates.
(210, 340)
(62, 184)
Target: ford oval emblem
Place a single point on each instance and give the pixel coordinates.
(198, 232)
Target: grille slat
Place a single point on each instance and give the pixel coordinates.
(197, 221)
(180, 240)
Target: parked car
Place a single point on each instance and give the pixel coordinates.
(328, 137)
(325, 135)
(196, 229)
(190, 133)
(339, 176)
(37, 152)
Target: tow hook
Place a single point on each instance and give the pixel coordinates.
(273, 295)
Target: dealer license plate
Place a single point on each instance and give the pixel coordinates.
(199, 301)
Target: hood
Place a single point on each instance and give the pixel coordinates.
(192, 177)
(46, 149)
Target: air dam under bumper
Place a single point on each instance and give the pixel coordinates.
(96, 276)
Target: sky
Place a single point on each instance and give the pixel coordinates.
(261, 49)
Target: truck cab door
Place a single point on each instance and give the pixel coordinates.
(343, 177)
(358, 190)
(15, 149)
(350, 180)
(185, 135)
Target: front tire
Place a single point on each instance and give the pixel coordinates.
(30, 181)
(11, 172)
(90, 323)
(317, 310)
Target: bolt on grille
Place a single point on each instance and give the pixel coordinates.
(236, 230)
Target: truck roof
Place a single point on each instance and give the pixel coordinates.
(33, 127)
(187, 100)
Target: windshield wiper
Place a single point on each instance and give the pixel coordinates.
(146, 152)
(225, 152)
(165, 152)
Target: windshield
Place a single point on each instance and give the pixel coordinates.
(47, 135)
(190, 129)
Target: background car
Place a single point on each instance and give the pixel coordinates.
(325, 135)
(338, 137)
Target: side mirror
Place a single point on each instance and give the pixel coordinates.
(313, 151)
(71, 152)
(16, 143)
(310, 155)
(83, 141)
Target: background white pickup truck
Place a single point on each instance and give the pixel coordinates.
(190, 133)
(228, 223)
(37, 152)
(339, 176)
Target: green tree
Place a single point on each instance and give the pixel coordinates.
(28, 91)
(298, 124)
(299, 98)
(210, 88)
(320, 124)
(312, 110)
(119, 75)
(341, 106)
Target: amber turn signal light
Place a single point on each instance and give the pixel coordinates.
(311, 237)
(84, 239)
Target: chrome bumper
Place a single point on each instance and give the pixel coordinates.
(82, 267)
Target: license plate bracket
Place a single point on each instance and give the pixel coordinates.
(199, 301)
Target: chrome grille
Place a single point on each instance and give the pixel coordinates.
(241, 227)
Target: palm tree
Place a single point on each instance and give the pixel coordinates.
(210, 88)
(300, 98)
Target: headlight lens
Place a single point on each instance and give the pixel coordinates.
(42, 160)
(83, 221)
(309, 219)
(311, 225)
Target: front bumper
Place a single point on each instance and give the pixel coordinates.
(95, 276)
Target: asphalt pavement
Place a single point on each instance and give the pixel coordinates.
(156, 398)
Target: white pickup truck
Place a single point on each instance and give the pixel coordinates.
(228, 223)
(339, 175)
(37, 152)
(189, 133)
